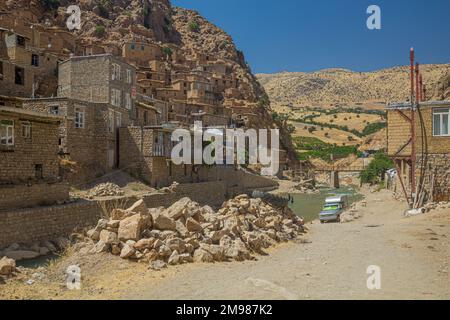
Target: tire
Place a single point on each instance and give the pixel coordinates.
(322, 222)
(338, 220)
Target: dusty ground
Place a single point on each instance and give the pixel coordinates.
(330, 262)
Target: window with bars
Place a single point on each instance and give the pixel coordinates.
(79, 118)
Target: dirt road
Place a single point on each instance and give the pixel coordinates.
(329, 262)
(413, 254)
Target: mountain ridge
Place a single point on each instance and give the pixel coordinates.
(343, 86)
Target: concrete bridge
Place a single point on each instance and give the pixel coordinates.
(334, 172)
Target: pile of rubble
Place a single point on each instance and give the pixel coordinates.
(187, 232)
(106, 190)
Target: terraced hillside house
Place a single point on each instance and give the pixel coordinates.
(88, 135)
(98, 79)
(29, 161)
(429, 149)
(16, 77)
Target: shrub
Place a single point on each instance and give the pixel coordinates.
(167, 51)
(264, 101)
(100, 31)
(374, 173)
(194, 26)
(373, 127)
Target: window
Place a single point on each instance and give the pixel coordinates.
(116, 96)
(38, 171)
(79, 118)
(118, 120)
(26, 130)
(441, 122)
(1, 70)
(35, 60)
(54, 110)
(20, 41)
(129, 78)
(19, 75)
(111, 121)
(145, 118)
(116, 75)
(7, 132)
(128, 101)
(133, 46)
(142, 47)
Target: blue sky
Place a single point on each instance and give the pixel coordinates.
(309, 35)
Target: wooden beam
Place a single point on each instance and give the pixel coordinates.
(403, 147)
(404, 115)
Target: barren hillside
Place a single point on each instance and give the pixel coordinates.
(340, 86)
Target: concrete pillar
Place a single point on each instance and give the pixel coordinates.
(334, 179)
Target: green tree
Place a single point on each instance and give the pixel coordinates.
(374, 173)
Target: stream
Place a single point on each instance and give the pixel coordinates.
(309, 206)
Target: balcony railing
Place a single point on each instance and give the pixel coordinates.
(160, 151)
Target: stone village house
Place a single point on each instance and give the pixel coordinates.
(29, 163)
(95, 99)
(436, 150)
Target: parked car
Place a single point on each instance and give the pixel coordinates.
(333, 208)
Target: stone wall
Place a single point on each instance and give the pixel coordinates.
(43, 223)
(438, 166)
(24, 196)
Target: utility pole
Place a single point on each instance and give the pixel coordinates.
(413, 124)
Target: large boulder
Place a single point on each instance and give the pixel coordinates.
(144, 244)
(216, 251)
(163, 222)
(139, 207)
(174, 258)
(131, 228)
(108, 237)
(178, 209)
(100, 247)
(102, 224)
(193, 226)
(201, 255)
(7, 266)
(176, 244)
(127, 251)
(181, 229)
